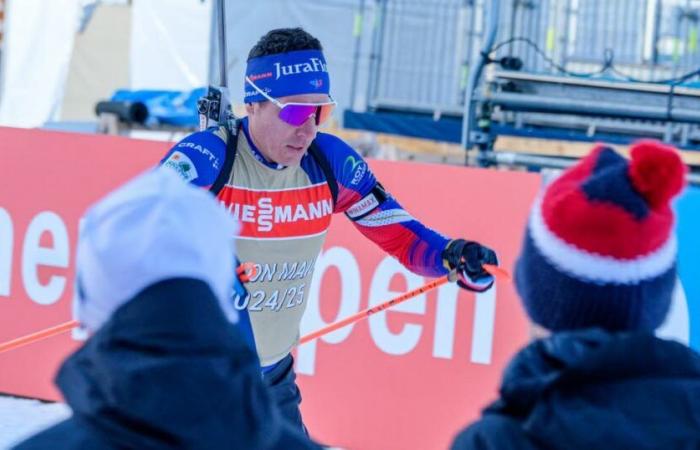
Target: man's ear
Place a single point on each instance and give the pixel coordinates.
(249, 109)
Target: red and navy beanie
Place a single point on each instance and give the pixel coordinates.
(599, 249)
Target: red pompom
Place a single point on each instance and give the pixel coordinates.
(656, 171)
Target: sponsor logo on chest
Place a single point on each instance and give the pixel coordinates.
(288, 213)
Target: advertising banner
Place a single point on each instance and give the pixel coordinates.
(408, 377)
(49, 179)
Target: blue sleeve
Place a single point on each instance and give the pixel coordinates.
(199, 157)
(377, 215)
(355, 179)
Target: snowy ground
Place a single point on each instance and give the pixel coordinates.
(20, 418)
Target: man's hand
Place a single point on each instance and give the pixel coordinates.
(468, 257)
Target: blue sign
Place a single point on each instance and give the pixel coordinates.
(688, 229)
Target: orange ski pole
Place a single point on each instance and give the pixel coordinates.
(39, 335)
(497, 272)
(245, 271)
(452, 276)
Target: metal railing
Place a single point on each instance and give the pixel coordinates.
(512, 159)
(423, 50)
(420, 52)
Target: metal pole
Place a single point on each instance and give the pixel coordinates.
(514, 5)
(380, 10)
(475, 75)
(214, 107)
(656, 36)
(357, 31)
(564, 42)
(221, 9)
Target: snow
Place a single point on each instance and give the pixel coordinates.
(21, 418)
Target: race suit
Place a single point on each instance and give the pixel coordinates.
(285, 212)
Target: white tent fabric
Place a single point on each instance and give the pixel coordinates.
(331, 21)
(170, 44)
(170, 41)
(99, 64)
(37, 47)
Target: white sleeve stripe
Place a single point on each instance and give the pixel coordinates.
(382, 218)
(594, 267)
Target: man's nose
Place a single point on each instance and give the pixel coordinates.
(309, 127)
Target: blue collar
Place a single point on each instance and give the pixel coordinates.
(256, 153)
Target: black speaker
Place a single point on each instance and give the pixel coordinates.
(126, 111)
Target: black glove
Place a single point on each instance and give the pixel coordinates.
(468, 257)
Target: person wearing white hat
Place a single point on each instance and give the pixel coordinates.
(165, 366)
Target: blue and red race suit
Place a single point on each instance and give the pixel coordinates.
(284, 214)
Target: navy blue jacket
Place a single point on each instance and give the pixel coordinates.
(594, 390)
(167, 372)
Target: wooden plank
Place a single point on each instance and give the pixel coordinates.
(447, 150)
(568, 148)
(402, 143)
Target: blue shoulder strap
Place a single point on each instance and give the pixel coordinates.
(325, 166)
(231, 147)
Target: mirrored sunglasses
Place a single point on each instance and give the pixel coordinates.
(296, 114)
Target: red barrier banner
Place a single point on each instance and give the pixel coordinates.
(49, 179)
(409, 377)
(412, 376)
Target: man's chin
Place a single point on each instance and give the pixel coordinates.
(293, 160)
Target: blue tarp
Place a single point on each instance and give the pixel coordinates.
(406, 124)
(176, 108)
(688, 229)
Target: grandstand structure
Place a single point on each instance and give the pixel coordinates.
(501, 79)
(533, 71)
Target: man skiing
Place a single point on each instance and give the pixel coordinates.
(283, 180)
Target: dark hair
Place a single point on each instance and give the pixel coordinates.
(283, 40)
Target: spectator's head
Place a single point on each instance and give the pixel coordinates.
(154, 228)
(600, 250)
(287, 93)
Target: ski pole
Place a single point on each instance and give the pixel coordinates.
(452, 276)
(245, 272)
(38, 336)
(497, 272)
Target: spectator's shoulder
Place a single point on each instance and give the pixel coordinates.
(68, 434)
(493, 432)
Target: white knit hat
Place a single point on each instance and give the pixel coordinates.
(154, 227)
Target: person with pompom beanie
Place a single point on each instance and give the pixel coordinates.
(596, 275)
